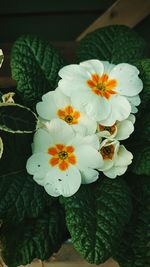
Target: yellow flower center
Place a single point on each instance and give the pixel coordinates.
(110, 129)
(107, 152)
(102, 86)
(69, 115)
(62, 156)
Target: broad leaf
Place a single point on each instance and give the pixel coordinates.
(15, 118)
(35, 65)
(139, 141)
(1, 147)
(134, 250)
(115, 44)
(37, 238)
(96, 217)
(21, 197)
(17, 149)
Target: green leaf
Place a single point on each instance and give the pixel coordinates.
(139, 141)
(21, 197)
(141, 161)
(96, 216)
(15, 118)
(134, 250)
(144, 68)
(114, 43)
(37, 238)
(35, 65)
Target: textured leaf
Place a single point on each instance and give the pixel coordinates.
(141, 162)
(15, 118)
(96, 216)
(144, 68)
(139, 141)
(17, 149)
(115, 43)
(21, 197)
(134, 250)
(37, 238)
(35, 65)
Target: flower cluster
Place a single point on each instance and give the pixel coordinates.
(82, 124)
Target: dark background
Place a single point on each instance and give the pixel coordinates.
(55, 20)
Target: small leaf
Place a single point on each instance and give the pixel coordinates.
(21, 197)
(1, 147)
(15, 118)
(1, 57)
(36, 238)
(96, 216)
(35, 65)
(114, 43)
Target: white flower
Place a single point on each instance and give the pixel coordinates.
(102, 89)
(116, 158)
(56, 105)
(1, 57)
(62, 159)
(121, 130)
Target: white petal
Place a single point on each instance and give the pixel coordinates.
(132, 118)
(72, 71)
(93, 66)
(60, 131)
(120, 110)
(89, 175)
(38, 165)
(124, 129)
(107, 164)
(61, 100)
(124, 157)
(107, 66)
(89, 140)
(88, 157)
(47, 108)
(135, 100)
(128, 82)
(115, 171)
(42, 141)
(96, 107)
(88, 123)
(65, 183)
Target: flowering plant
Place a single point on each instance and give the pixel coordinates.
(66, 132)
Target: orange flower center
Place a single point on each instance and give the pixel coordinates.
(107, 152)
(69, 115)
(110, 129)
(62, 156)
(102, 86)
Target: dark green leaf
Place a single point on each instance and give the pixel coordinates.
(96, 216)
(17, 149)
(115, 43)
(15, 118)
(37, 238)
(35, 65)
(134, 250)
(21, 197)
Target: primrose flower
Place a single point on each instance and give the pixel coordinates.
(56, 105)
(121, 130)
(101, 89)
(116, 158)
(63, 159)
